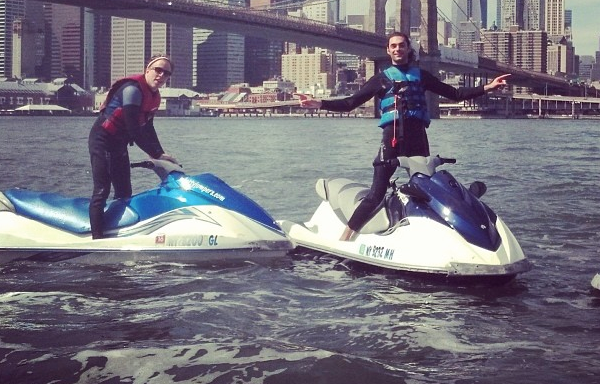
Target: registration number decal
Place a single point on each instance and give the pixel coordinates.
(185, 241)
(376, 252)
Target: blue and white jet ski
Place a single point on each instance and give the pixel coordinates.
(431, 225)
(185, 219)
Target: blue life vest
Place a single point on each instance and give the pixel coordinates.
(412, 100)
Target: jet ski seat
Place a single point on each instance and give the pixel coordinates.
(71, 214)
(344, 195)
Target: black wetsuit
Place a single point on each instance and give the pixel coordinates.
(110, 158)
(411, 139)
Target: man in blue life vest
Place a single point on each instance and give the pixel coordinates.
(404, 116)
(126, 117)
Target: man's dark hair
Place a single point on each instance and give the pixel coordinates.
(412, 55)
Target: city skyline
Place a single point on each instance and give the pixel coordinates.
(70, 62)
(586, 31)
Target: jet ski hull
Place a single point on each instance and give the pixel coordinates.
(433, 225)
(412, 247)
(186, 218)
(212, 233)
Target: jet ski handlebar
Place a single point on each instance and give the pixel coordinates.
(161, 167)
(143, 164)
(422, 164)
(414, 164)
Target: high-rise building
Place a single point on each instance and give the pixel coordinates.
(533, 15)
(467, 36)
(311, 70)
(524, 49)
(497, 46)
(262, 56)
(322, 11)
(349, 61)
(511, 14)
(66, 43)
(357, 22)
(530, 50)
(444, 28)
(569, 24)
(102, 49)
(560, 58)
(561, 53)
(56, 41)
(198, 37)
(10, 10)
(343, 14)
(27, 49)
(586, 66)
(473, 11)
(484, 13)
(262, 60)
(218, 58)
(129, 47)
(76, 44)
(568, 18)
(175, 42)
(594, 71)
(555, 17)
(28, 44)
(469, 17)
(135, 41)
(498, 13)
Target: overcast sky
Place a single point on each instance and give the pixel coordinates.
(586, 25)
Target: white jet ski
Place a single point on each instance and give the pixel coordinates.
(431, 225)
(185, 219)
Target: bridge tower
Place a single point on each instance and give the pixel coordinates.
(377, 17)
(429, 54)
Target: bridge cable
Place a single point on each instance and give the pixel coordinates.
(484, 37)
(424, 23)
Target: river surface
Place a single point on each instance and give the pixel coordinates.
(307, 318)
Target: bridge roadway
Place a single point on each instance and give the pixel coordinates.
(261, 23)
(243, 21)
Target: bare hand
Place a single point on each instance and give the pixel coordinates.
(170, 158)
(308, 102)
(498, 83)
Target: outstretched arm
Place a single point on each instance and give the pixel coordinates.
(498, 83)
(376, 84)
(433, 84)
